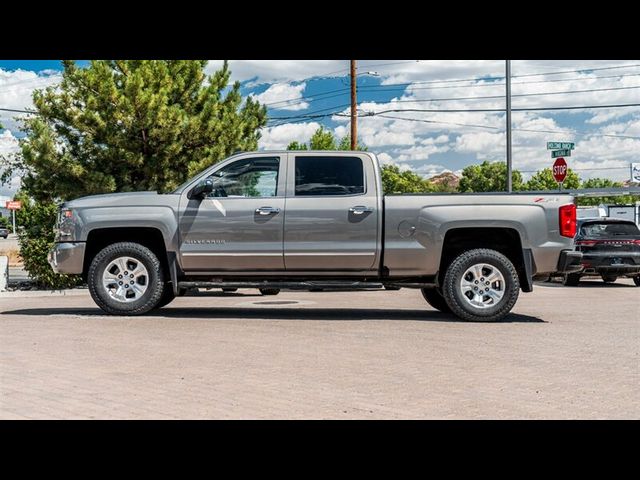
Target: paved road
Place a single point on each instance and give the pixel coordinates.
(564, 353)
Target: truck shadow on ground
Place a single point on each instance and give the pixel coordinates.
(225, 313)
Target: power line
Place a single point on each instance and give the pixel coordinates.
(570, 132)
(501, 77)
(458, 110)
(382, 89)
(16, 111)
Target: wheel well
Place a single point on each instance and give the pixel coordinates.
(504, 240)
(102, 237)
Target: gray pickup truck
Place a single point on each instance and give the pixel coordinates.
(313, 220)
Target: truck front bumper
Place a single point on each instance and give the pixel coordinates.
(570, 262)
(67, 257)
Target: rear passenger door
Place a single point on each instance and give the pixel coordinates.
(331, 213)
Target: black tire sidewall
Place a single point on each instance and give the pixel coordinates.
(155, 290)
(455, 298)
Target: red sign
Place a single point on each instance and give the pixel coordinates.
(13, 205)
(560, 170)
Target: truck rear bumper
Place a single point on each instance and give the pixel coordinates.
(67, 257)
(570, 262)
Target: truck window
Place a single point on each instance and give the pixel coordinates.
(247, 178)
(329, 176)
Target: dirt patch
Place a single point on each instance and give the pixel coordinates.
(14, 257)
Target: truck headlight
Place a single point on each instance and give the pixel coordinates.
(65, 229)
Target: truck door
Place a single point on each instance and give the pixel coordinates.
(332, 213)
(239, 225)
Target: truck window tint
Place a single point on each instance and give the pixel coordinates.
(247, 178)
(329, 176)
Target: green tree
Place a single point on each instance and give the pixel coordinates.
(543, 180)
(488, 177)
(396, 181)
(605, 183)
(323, 139)
(124, 125)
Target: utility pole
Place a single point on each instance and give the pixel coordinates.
(354, 117)
(509, 164)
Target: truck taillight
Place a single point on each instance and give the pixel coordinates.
(567, 215)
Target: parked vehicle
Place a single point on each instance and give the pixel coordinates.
(4, 233)
(610, 248)
(312, 220)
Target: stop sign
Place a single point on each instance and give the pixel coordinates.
(559, 170)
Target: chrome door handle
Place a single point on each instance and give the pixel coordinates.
(267, 210)
(359, 210)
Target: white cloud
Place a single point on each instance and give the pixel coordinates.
(277, 138)
(286, 96)
(16, 89)
(268, 71)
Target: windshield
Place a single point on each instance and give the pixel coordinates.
(609, 229)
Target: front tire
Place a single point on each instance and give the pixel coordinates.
(636, 280)
(126, 278)
(481, 285)
(435, 299)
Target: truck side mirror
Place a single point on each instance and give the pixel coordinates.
(202, 189)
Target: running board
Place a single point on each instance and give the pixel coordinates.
(303, 285)
(300, 285)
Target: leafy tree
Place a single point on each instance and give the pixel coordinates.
(605, 183)
(325, 140)
(297, 146)
(488, 177)
(124, 125)
(543, 180)
(396, 181)
(4, 222)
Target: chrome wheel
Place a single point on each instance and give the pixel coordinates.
(125, 279)
(482, 285)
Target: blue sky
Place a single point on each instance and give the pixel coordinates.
(607, 139)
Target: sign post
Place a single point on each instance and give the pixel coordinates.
(13, 206)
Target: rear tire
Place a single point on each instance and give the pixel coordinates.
(269, 291)
(636, 280)
(435, 299)
(500, 288)
(571, 280)
(609, 278)
(153, 287)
